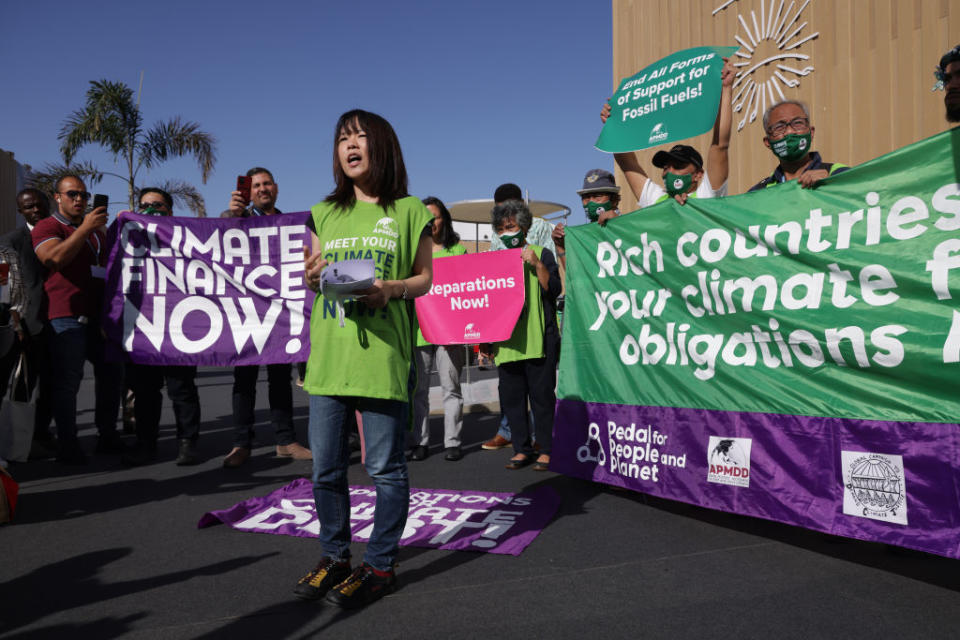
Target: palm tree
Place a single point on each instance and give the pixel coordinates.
(46, 178)
(112, 120)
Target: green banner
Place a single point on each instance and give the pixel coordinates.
(673, 99)
(835, 301)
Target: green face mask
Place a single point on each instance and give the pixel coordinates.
(677, 183)
(512, 240)
(792, 146)
(594, 209)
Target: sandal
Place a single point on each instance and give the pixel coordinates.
(542, 465)
(519, 463)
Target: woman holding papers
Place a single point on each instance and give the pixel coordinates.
(360, 361)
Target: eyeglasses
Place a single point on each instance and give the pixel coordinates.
(152, 205)
(73, 195)
(799, 125)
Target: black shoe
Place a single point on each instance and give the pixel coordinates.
(361, 588)
(72, 456)
(43, 449)
(139, 456)
(112, 443)
(188, 453)
(519, 463)
(419, 453)
(453, 454)
(324, 576)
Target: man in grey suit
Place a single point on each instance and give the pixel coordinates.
(34, 206)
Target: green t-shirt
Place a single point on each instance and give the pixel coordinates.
(370, 356)
(456, 250)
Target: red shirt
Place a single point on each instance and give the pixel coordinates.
(73, 291)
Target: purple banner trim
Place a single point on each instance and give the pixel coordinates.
(202, 291)
(891, 482)
(459, 520)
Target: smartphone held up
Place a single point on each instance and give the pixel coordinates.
(244, 186)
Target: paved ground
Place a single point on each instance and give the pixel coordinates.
(105, 552)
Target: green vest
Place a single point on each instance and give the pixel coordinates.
(370, 356)
(526, 341)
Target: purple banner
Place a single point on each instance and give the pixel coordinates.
(892, 482)
(460, 520)
(208, 291)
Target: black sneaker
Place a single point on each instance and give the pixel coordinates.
(363, 587)
(187, 455)
(325, 575)
(110, 443)
(72, 456)
(139, 455)
(453, 454)
(419, 453)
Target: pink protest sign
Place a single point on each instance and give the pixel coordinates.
(474, 298)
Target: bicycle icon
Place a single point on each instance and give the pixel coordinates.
(584, 454)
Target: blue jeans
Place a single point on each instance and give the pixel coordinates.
(384, 432)
(504, 429)
(71, 343)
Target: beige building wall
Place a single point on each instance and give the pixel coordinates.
(869, 90)
(11, 174)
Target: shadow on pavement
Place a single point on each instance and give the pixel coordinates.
(917, 565)
(30, 597)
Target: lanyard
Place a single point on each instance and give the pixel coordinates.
(96, 250)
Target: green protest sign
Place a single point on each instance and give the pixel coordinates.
(673, 99)
(836, 301)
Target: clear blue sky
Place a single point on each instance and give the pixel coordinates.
(480, 93)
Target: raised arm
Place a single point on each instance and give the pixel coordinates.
(718, 157)
(55, 254)
(628, 162)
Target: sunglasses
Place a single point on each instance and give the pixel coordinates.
(73, 195)
(152, 205)
(944, 77)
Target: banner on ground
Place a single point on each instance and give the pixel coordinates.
(673, 99)
(208, 291)
(790, 354)
(474, 298)
(458, 520)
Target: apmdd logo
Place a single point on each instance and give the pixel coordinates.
(728, 461)
(470, 332)
(658, 133)
(387, 227)
(874, 486)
